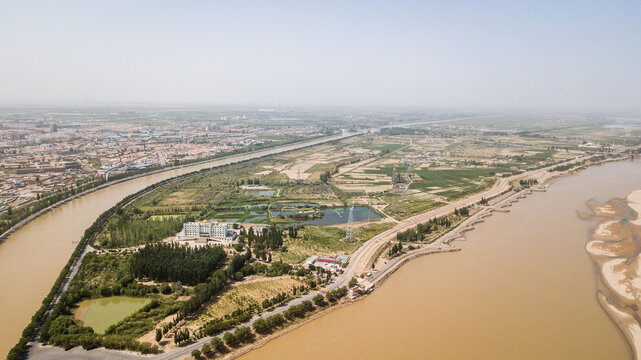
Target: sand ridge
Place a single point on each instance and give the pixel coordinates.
(615, 247)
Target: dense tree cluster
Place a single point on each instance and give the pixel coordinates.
(278, 268)
(569, 166)
(275, 300)
(395, 249)
(242, 334)
(238, 316)
(298, 310)
(528, 182)
(464, 211)
(237, 263)
(319, 300)
(334, 295)
(263, 324)
(216, 326)
(418, 233)
(272, 239)
(181, 336)
(325, 176)
(170, 262)
(292, 231)
(128, 229)
(204, 291)
(217, 344)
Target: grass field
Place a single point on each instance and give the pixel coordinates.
(99, 270)
(402, 206)
(368, 231)
(243, 295)
(316, 240)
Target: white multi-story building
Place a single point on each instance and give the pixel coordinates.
(219, 231)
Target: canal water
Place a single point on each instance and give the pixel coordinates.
(31, 258)
(523, 287)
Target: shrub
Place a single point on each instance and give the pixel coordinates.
(217, 344)
(260, 325)
(229, 338)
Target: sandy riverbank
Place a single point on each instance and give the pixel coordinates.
(615, 248)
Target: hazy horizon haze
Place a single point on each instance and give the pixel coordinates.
(543, 55)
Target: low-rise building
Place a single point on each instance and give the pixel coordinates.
(332, 264)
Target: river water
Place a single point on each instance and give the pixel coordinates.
(31, 258)
(523, 287)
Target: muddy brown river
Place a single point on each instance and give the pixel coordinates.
(523, 287)
(31, 258)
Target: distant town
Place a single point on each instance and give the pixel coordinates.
(43, 151)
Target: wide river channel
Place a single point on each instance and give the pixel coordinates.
(523, 287)
(31, 258)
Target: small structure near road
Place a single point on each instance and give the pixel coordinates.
(332, 264)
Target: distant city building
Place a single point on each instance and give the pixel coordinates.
(53, 127)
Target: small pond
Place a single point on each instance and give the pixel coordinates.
(103, 312)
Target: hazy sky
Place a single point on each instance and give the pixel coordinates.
(571, 55)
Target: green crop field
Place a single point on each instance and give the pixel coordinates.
(452, 177)
(455, 183)
(402, 206)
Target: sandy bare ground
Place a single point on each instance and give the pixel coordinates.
(167, 341)
(298, 171)
(627, 323)
(613, 248)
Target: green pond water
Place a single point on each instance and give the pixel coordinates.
(103, 312)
